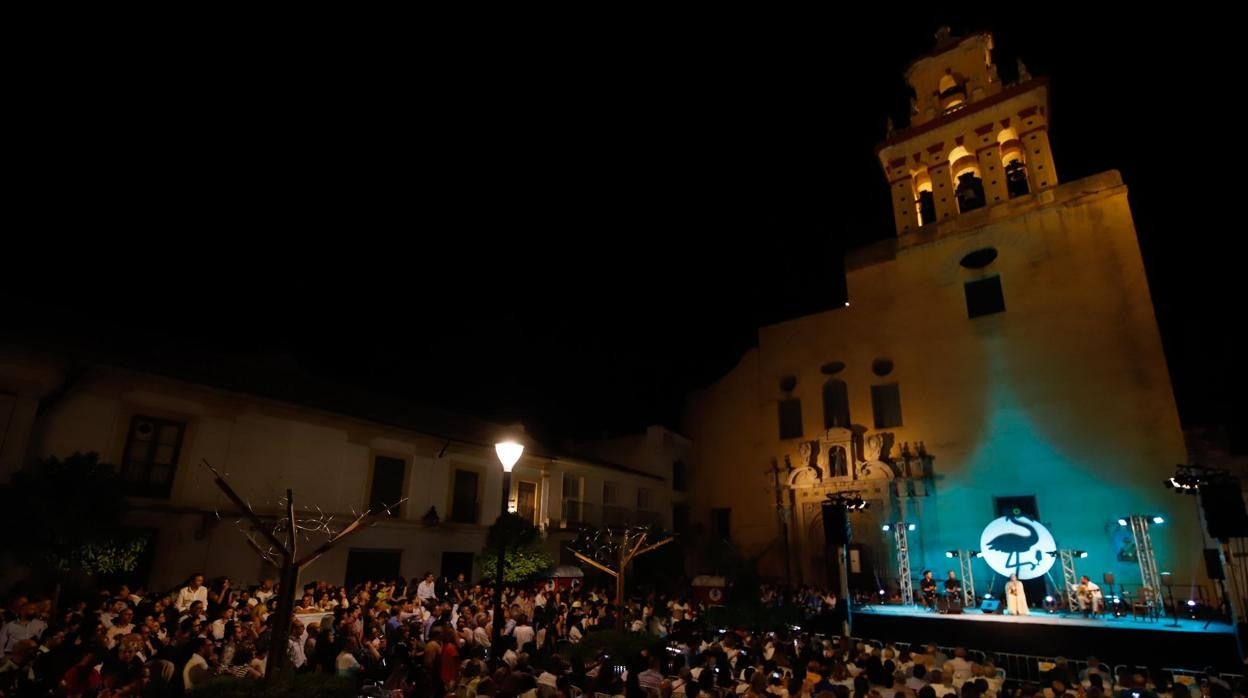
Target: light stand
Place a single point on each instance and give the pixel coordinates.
(1166, 581)
(901, 542)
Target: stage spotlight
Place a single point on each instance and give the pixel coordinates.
(1050, 604)
(951, 553)
(988, 595)
(1122, 522)
(976, 553)
(1158, 520)
(1081, 553)
(886, 527)
(910, 527)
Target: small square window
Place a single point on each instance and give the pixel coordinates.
(984, 297)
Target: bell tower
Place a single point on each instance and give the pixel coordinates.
(972, 142)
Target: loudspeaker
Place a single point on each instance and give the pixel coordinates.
(990, 605)
(1223, 503)
(1213, 563)
(835, 524)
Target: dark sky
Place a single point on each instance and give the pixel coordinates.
(571, 233)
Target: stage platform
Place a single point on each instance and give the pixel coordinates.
(1123, 640)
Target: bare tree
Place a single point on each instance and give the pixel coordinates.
(612, 549)
(278, 546)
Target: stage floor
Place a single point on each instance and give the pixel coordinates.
(1185, 625)
(1122, 640)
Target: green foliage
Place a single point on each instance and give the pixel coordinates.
(70, 513)
(300, 685)
(100, 557)
(624, 645)
(525, 551)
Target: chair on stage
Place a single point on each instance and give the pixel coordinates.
(1145, 605)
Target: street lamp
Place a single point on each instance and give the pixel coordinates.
(508, 453)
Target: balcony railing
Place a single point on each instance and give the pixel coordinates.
(576, 513)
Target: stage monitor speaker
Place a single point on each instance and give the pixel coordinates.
(990, 605)
(1213, 563)
(835, 524)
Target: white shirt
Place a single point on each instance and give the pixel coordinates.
(218, 629)
(15, 631)
(118, 630)
(197, 660)
(187, 596)
(523, 634)
(297, 656)
(346, 662)
(426, 590)
(263, 596)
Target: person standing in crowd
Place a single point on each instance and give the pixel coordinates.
(427, 590)
(192, 592)
(27, 626)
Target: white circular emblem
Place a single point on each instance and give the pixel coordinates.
(1016, 544)
(715, 594)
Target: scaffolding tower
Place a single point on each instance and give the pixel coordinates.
(965, 558)
(1144, 553)
(1070, 578)
(904, 582)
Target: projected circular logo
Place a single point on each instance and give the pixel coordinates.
(1015, 544)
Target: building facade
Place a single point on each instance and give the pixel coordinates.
(998, 357)
(159, 431)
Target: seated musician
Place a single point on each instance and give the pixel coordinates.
(1089, 596)
(953, 588)
(927, 589)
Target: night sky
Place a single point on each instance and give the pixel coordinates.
(571, 233)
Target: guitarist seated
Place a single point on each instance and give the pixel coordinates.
(1089, 596)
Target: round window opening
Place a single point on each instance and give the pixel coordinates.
(979, 258)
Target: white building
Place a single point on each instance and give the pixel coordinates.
(158, 430)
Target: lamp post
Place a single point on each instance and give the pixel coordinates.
(508, 453)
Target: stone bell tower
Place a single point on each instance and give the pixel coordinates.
(973, 142)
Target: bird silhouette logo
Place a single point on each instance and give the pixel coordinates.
(1017, 544)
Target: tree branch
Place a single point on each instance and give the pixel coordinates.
(365, 520)
(293, 529)
(256, 547)
(648, 548)
(632, 549)
(595, 563)
(243, 507)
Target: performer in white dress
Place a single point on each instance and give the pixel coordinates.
(1015, 597)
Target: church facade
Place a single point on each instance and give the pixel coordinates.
(998, 357)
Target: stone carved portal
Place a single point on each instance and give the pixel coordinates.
(835, 458)
(840, 462)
